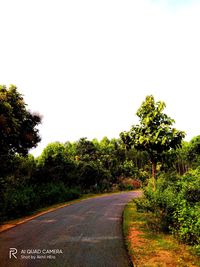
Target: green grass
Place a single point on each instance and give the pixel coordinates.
(128, 218)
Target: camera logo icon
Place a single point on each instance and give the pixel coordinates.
(12, 253)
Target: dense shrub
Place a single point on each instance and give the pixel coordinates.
(54, 193)
(176, 205)
(187, 214)
(187, 223)
(161, 203)
(143, 176)
(18, 201)
(24, 200)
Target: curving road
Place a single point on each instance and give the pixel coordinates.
(84, 234)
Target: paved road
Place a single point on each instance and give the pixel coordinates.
(85, 234)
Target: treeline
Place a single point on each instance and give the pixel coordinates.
(65, 171)
(90, 165)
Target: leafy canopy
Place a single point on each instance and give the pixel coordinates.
(18, 132)
(155, 133)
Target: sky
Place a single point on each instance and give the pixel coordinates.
(86, 66)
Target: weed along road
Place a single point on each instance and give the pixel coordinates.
(84, 234)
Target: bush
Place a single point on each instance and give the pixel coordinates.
(176, 205)
(19, 201)
(187, 223)
(143, 176)
(56, 192)
(128, 183)
(23, 200)
(162, 203)
(187, 214)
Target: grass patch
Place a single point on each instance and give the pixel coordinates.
(148, 247)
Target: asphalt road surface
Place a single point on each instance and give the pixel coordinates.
(84, 234)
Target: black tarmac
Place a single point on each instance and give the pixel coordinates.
(84, 234)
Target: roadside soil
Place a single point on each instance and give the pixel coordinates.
(148, 248)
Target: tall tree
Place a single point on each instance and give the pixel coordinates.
(154, 134)
(18, 126)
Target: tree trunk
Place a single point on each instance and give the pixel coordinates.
(154, 174)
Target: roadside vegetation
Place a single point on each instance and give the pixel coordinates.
(171, 196)
(150, 246)
(152, 155)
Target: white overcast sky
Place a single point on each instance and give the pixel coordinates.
(86, 66)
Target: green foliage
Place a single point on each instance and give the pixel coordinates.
(89, 174)
(54, 165)
(25, 199)
(91, 166)
(18, 201)
(18, 132)
(154, 134)
(143, 176)
(86, 150)
(187, 214)
(176, 205)
(128, 168)
(187, 223)
(56, 192)
(176, 160)
(93, 176)
(193, 152)
(190, 186)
